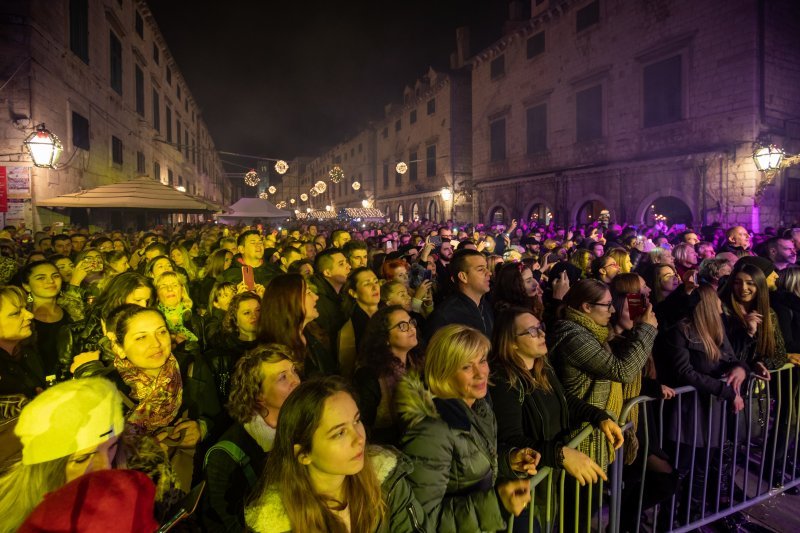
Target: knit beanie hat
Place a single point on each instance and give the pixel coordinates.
(766, 266)
(107, 500)
(69, 417)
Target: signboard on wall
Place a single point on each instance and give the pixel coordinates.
(3, 191)
(19, 182)
(19, 211)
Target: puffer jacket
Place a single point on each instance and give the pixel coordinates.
(454, 450)
(404, 514)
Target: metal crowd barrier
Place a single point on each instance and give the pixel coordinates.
(726, 461)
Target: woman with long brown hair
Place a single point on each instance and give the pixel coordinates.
(750, 323)
(322, 476)
(287, 318)
(697, 352)
(529, 401)
(514, 285)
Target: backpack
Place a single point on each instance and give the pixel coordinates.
(238, 455)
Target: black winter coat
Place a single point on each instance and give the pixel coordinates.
(540, 420)
(787, 307)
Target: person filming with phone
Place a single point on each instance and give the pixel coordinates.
(249, 267)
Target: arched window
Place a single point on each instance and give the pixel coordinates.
(670, 209)
(540, 214)
(433, 211)
(498, 216)
(415, 212)
(400, 217)
(591, 211)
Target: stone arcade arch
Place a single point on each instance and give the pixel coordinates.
(667, 203)
(414, 212)
(498, 214)
(400, 214)
(538, 212)
(590, 208)
(433, 211)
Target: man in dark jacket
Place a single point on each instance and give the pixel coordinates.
(331, 269)
(251, 248)
(467, 304)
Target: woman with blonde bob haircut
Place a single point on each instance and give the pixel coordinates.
(452, 438)
(322, 476)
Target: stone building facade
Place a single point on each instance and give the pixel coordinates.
(430, 133)
(635, 108)
(99, 74)
(601, 108)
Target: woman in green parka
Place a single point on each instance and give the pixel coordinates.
(452, 439)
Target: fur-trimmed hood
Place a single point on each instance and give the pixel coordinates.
(268, 515)
(413, 401)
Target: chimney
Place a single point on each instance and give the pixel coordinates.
(516, 16)
(462, 46)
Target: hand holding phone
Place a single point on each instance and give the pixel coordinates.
(248, 277)
(637, 304)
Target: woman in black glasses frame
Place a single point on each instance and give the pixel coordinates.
(389, 349)
(529, 403)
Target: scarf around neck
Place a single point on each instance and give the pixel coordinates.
(262, 433)
(174, 316)
(159, 398)
(600, 332)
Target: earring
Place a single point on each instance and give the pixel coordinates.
(30, 298)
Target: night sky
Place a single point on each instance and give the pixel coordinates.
(287, 78)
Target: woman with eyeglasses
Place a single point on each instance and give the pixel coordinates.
(529, 401)
(362, 296)
(174, 302)
(585, 362)
(387, 352)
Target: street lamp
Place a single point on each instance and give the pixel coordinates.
(44, 147)
(447, 194)
(768, 158)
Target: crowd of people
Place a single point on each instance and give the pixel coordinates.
(364, 377)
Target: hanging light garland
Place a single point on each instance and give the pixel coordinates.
(304, 197)
(401, 168)
(321, 186)
(251, 178)
(356, 185)
(272, 189)
(281, 166)
(314, 192)
(292, 201)
(280, 205)
(336, 174)
(263, 196)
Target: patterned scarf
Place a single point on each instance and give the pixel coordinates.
(174, 316)
(601, 333)
(159, 398)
